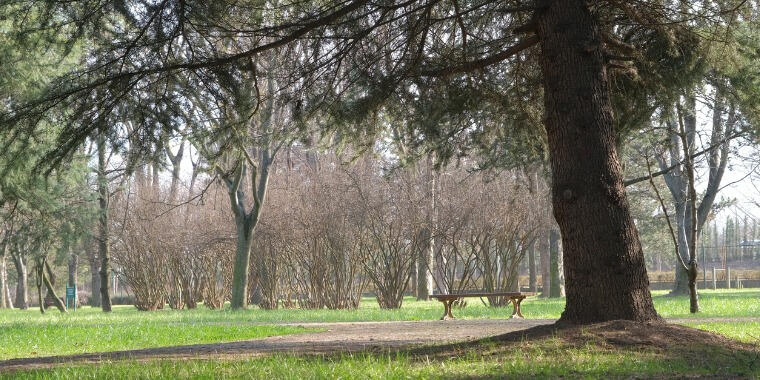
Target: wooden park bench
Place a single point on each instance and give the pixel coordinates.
(448, 299)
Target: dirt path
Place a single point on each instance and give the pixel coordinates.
(337, 337)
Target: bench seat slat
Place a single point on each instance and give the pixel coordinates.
(495, 294)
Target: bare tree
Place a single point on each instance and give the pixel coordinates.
(680, 152)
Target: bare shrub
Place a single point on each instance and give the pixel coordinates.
(502, 229)
(322, 256)
(389, 234)
(138, 253)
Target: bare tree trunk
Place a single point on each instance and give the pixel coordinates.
(659, 261)
(543, 249)
(513, 276)
(693, 231)
(49, 280)
(94, 276)
(176, 160)
(678, 186)
(681, 280)
(427, 253)
(677, 180)
(4, 295)
(604, 262)
(245, 222)
(104, 235)
(532, 278)
(424, 274)
(22, 289)
(156, 184)
(244, 231)
(533, 179)
(39, 272)
(753, 248)
(73, 277)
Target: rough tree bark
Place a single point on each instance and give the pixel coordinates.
(103, 233)
(604, 263)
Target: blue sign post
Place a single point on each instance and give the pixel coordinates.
(71, 293)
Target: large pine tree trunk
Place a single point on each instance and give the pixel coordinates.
(604, 263)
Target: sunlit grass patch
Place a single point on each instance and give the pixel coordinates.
(61, 338)
(743, 331)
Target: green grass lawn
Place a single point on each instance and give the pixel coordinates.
(538, 358)
(744, 331)
(28, 334)
(20, 340)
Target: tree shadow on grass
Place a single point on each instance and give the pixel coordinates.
(610, 349)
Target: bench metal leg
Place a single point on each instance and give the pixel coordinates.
(516, 312)
(447, 309)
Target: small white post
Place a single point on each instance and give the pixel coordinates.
(715, 279)
(728, 277)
